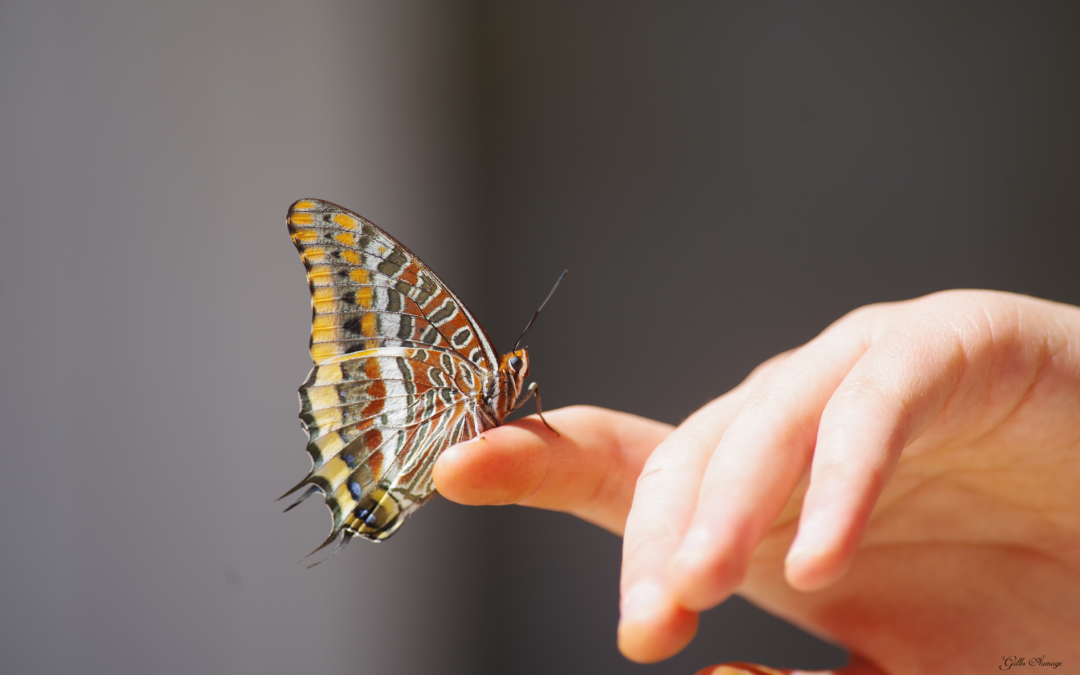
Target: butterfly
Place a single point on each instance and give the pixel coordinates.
(403, 370)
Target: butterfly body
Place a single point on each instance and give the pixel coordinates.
(402, 371)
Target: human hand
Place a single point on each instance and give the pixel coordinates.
(939, 532)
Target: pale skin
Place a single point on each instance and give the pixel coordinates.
(907, 485)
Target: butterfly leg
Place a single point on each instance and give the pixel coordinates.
(534, 390)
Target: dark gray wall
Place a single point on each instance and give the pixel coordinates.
(722, 179)
(153, 326)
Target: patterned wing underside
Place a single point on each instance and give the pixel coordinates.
(399, 362)
(369, 291)
(377, 422)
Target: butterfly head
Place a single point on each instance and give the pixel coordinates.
(515, 368)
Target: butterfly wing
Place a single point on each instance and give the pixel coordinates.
(377, 421)
(399, 363)
(368, 290)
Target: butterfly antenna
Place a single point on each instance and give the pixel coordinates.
(533, 320)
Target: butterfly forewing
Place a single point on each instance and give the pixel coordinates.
(369, 291)
(399, 367)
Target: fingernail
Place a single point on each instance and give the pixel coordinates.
(641, 602)
(459, 449)
(799, 552)
(693, 550)
(807, 541)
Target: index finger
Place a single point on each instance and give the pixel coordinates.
(589, 470)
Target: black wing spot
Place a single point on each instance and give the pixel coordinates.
(445, 312)
(389, 269)
(405, 326)
(435, 375)
(461, 338)
(430, 336)
(354, 326)
(393, 301)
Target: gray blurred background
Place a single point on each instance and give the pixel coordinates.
(719, 177)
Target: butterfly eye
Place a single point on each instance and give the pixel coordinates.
(515, 363)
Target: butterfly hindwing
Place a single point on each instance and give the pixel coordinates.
(393, 387)
(399, 482)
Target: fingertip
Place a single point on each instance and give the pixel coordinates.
(504, 465)
(452, 472)
(482, 471)
(456, 454)
(813, 569)
(705, 570)
(835, 513)
(653, 627)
